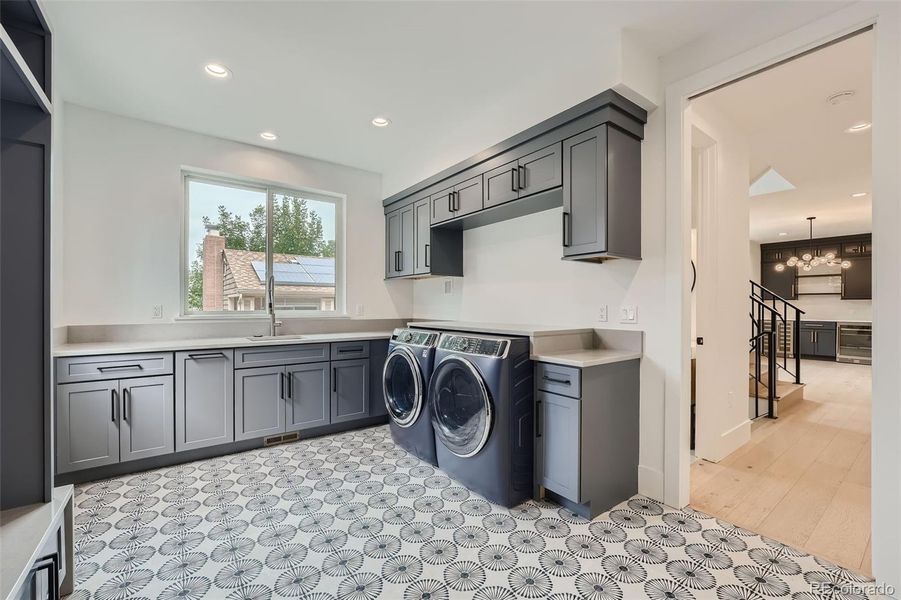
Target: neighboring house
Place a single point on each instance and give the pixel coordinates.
(236, 279)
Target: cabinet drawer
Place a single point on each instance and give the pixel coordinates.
(112, 366)
(269, 356)
(559, 379)
(347, 350)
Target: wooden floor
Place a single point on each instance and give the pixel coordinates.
(803, 479)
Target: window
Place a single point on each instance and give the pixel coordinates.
(236, 233)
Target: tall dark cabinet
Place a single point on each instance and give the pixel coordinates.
(25, 115)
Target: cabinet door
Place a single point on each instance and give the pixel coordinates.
(308, 396)
(468, 197)
(541, 170)
(378, 353)
(501, 185)
(87, 426)
(558, 428)
(350, 390)
(585, 193)
(808, 342)
(393, 243)
(147, 416)
(857, 282)
(259, 402)
(825, 342)
(422, 236)
(407, 244)
(204, 399)
(441, 206)
(782, 283)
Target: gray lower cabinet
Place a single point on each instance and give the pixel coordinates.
(105, 422)
(204, 399)
(558, 420)
(87, 428)
(350, 390)
(146, 425)
(308, 396)
(259, 402)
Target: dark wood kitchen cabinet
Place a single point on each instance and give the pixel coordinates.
(782, 283)
(857, 282)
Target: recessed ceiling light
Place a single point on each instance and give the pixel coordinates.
(840, 97)
(216, 70)
(858, 127)
(268, 136)
(783, 233)
(381, 121)
(858, 194)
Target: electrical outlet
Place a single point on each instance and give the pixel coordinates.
(628, 313)
(602, 314)
(157, 311)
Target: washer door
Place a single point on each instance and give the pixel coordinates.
(402, 384)
(461, 409)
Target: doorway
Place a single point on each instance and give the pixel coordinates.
(781, 318)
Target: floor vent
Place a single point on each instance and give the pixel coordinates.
(281, 439)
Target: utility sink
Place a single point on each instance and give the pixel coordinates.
(270, 338)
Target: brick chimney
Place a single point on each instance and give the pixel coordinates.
(213, 269)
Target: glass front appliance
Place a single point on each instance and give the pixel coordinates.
(461, 409)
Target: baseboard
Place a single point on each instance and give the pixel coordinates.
(734, 438)
(650, 482)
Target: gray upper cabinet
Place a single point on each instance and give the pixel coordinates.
(87, 431)
(601, 195)
(146, 424)
(204, 398)
(462, 199)
(399, 242)
(559, 421)
(259, 402)
(442, 207)
(350, 390)
(308, 396)
(422, 236)
(501, 184)
(540, 171)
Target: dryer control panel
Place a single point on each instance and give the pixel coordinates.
(473, 345)
(415, 337)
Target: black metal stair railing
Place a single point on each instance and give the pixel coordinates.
(769, 312)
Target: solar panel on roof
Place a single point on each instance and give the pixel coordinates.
(308, 270)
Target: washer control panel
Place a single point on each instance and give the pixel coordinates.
(415, 337)
(473, 345)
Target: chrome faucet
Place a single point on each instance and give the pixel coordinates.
(270, 306)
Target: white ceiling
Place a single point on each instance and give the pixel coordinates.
(316, 73)
(792, 129)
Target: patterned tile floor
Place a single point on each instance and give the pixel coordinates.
(353, 516)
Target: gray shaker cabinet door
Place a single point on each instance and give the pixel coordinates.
(204, 399)
(585, 193)
(501, 184)
(422, 237)
(541, 170)
(308, 396)
(259, 402)
(442, 209)
(392, 244)
(558, 426)
(350, 390)
(146, 417)
(407, 227)
(468, 197)
(87, 426)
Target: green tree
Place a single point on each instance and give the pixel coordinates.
(295, 230)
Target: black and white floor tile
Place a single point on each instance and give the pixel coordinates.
(352, 516)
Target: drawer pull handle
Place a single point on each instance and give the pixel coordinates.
(206, 355)
(135, 367)
(126, 400)
(345, 350)
(538, 419)
(112, 405)
(555, 380)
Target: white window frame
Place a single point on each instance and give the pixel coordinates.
(270, 188)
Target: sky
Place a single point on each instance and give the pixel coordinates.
(205, 199)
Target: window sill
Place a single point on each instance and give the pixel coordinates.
(227, 318)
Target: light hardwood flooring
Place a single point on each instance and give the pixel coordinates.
(804, 478)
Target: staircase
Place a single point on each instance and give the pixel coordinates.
(774, 378)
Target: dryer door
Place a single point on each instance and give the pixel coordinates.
(461, 409)
(402, 384)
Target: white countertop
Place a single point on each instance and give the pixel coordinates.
(586, 358)
(501, 328)
(94, 348)
(23, 533)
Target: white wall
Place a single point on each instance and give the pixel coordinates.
(721, 293)
(123, 201)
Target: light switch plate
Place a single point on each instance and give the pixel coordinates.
(448, 286)
(157, 311)
(602, 314)
(628, 313)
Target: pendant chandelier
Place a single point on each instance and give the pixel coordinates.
(809, 261)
